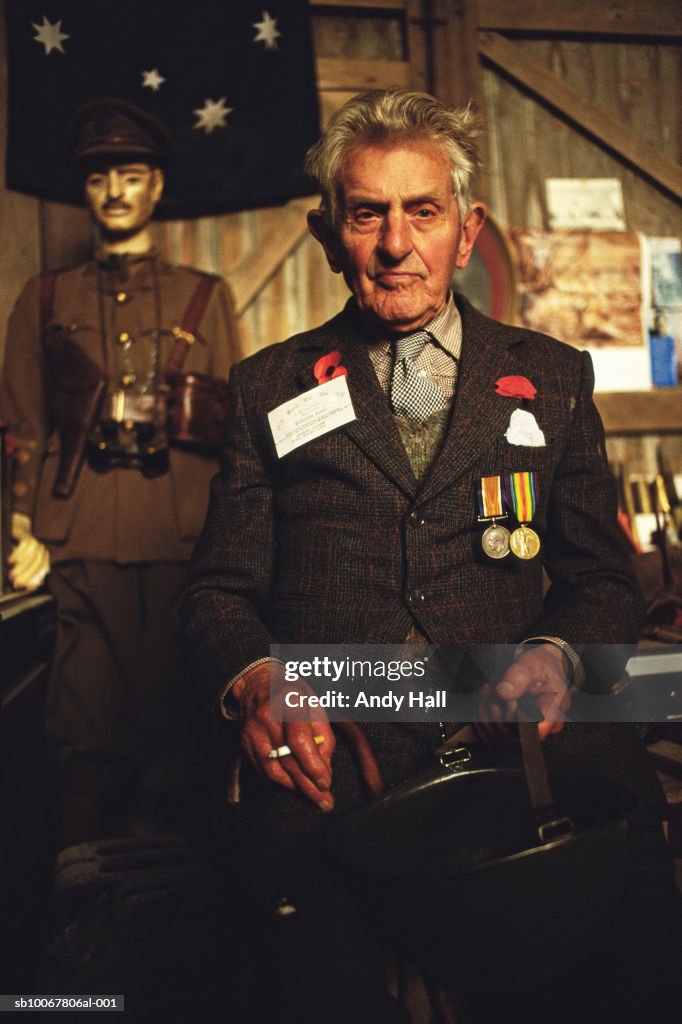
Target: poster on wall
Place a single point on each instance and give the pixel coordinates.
(586, 288)
(666, 272)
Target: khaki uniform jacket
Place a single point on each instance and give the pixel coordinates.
(120, 515)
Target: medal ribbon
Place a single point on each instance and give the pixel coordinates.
(489, 496)
(521, 495)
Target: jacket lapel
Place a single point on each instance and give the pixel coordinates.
(479, 414)
(374, 429)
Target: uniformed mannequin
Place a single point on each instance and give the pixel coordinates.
(103, 502)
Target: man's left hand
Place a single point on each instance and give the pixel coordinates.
(540, 673)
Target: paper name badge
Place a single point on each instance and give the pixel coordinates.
(311, 415)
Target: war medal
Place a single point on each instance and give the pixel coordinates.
(524, 542)
(521, 495)
(495, 539)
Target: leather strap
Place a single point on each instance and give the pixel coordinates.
(550, 824)
(185, 334)
(456, 756)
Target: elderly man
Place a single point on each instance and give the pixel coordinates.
(103, 498)
(373, 531)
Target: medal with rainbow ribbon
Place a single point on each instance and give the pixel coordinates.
(495, 539)
(520, 492)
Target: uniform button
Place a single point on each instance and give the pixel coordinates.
(416, 519)
(127, 380)
(121, 297)
(123, 338)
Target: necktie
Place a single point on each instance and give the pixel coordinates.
(413, 396)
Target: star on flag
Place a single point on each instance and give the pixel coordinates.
(268, 32)
(152, 80)
(50, 36)
(233, 85)
(212, 114)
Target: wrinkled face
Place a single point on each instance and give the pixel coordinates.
(121, 198)
(398, 236)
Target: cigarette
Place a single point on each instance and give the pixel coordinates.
(285, 750)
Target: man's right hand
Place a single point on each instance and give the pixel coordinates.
(308, 768)
(29, 560)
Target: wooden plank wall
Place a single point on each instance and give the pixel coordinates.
(638, 84)
(621, 62)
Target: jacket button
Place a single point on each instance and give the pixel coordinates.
(121, 297)
(416, 598)
(416, 519)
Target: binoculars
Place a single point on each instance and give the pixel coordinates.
(133, 445)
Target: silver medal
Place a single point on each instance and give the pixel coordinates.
(495, 541)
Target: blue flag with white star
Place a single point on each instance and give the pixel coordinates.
(234, 84)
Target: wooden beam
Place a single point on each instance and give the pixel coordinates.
(641, 412)
(358, 75)
(253, 273)
(457, 69)
(625, 18)
(419, 44)
(601, 126)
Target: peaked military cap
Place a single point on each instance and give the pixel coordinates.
(108, 127)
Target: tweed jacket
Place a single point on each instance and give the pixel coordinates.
(336, 542)
(119, 515)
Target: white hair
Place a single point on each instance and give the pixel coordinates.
(396, 115)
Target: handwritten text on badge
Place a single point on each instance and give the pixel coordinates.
(310, 415)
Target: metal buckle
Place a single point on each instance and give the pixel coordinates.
(555, 829)
(181, 335)
(455, 759)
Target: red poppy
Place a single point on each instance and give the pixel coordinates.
(329, 367)
(515, 387)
